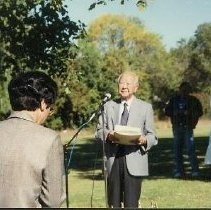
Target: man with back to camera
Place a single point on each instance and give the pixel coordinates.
(126, 164)
(184, 111)
(31, 156)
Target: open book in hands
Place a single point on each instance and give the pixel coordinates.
(126, 134)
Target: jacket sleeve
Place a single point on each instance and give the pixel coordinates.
(169, 108)
(199, 108)
(103, 127)
(53, 185)
(150, 129)
(195, 112)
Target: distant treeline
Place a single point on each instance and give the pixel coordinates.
(86, 61)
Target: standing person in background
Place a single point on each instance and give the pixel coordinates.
(31, 156)
(184, 111)
(126, 164)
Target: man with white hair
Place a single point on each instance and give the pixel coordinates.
(126, 164)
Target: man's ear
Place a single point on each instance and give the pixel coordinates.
(136, 88)
(42, 105)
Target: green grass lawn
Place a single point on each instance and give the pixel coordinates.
(86, 182)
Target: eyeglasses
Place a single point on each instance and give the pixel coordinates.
(52, 110)
(126, 83)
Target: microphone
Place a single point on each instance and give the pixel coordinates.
(106, 98)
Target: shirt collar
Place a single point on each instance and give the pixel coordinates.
(129, 102)
(22, 115)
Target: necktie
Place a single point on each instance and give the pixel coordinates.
(124, 116)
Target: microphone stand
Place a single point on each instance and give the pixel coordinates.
(67, 155)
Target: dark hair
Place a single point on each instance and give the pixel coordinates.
(27, 90)
(186, 86)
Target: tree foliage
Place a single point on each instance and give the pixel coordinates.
(125, 43)
(140, 3)
(39, 35)
(81, 84)
(199, 68)
(191, 59)
(35, 35)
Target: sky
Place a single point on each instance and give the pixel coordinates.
(171, 19)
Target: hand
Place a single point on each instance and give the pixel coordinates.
(142, 140)
(111, 137)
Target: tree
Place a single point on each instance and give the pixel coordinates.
(140, 3)
(199, 69)
(192, 60)
(35, 35)
(81, 84)
(125, 43)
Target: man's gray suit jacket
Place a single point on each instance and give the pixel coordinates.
(31, 164)
(141, 116)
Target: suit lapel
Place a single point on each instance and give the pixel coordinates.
(132, 112)
(116, 107)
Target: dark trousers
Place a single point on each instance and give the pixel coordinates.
(183, 137)
(123, 187)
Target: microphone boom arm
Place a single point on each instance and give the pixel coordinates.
(79, 129)
(67, 146)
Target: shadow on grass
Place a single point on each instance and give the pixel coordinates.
(87, 158)
(161, 160)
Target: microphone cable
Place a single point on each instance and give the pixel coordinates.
(93, 175)
(97, 153)
(71, 153)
